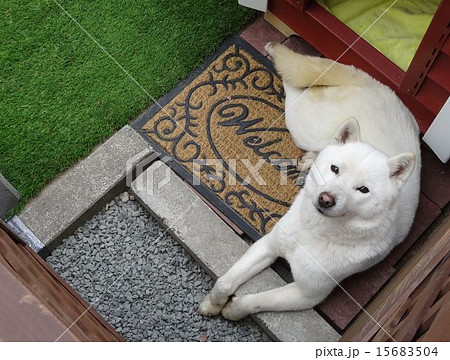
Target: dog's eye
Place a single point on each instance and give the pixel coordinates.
(363, 189)
(335, 169)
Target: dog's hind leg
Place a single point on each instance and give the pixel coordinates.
(287, 298)
(259, 256)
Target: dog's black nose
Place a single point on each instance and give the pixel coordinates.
(326, 200)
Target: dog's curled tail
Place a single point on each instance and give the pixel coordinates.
(303, 71)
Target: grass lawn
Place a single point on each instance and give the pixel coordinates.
(60, 94)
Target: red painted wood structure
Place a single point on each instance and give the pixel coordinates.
(424, 87)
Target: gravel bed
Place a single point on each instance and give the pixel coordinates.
(141, 280)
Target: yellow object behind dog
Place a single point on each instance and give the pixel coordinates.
(397, 34)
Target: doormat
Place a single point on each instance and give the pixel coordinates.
(222, 130)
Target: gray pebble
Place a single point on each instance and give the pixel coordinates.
(149, 291)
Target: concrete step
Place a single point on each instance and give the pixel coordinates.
(79, 192)
(216, 247)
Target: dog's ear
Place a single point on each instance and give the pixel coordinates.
(347, 132)
(400, 167)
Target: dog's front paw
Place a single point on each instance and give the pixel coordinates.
(234, 310)
(207, 308)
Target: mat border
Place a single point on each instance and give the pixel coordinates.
(177, 167)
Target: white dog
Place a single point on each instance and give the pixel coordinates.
(366, 203)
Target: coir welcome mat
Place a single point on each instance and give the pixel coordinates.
(223, 129)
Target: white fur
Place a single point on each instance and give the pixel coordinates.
(379, 150)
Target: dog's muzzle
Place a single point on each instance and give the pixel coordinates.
(326, 200)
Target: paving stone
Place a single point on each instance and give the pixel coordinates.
(340, 309)
(216, 247)
(59, 208)
(261, 32)
(435, 182)
(297, 44)
(427, 211)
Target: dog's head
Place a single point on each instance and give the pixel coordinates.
(356, 179)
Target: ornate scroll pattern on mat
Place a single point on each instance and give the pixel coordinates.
(226, 113)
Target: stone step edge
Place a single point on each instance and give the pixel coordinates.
(215, 246)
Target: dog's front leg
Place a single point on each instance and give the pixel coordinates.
(259, 256)
(287, 298)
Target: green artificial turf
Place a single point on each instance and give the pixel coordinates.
(60, 94)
